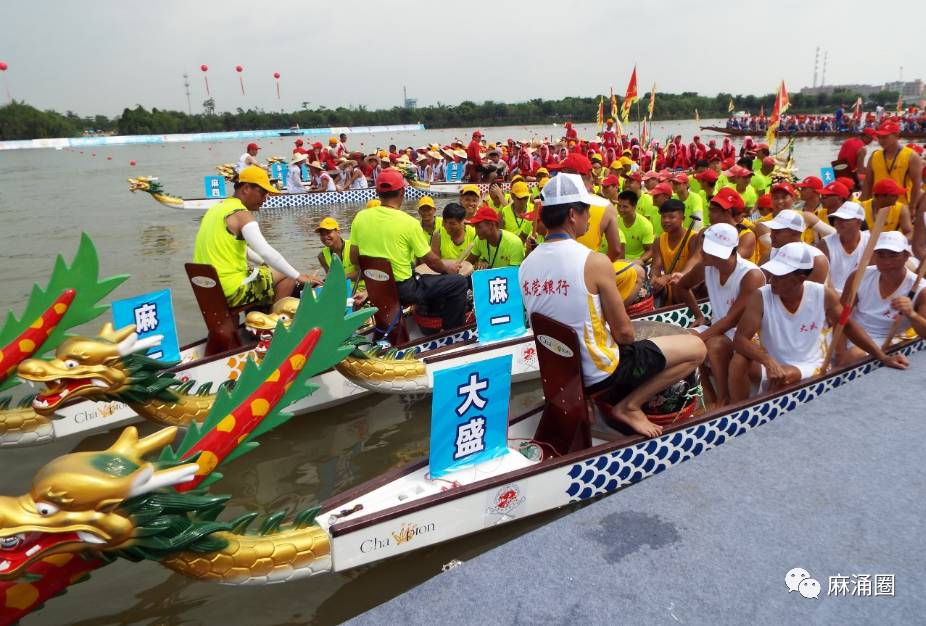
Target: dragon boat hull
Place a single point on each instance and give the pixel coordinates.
(315, 198)
(736, 132)
(404, 509)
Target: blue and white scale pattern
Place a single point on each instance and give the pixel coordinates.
(351, 196)
(608, 472)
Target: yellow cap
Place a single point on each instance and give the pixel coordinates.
(597, 157)
(329, 223)
(543, 182)
(626, 161)
(332, 140)
(616, 164)
(374, 202)
(256, 176)
(426, 201)
(516, 178)
(470, 189)
(542, 170)
(520, 189)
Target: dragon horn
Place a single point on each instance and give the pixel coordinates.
(130, 445)
(149, 480)
(115, 336)
(133, 344)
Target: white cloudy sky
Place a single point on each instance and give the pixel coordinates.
(99, 56)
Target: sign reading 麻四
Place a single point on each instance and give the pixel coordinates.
(499, 305)
(151, 314)
(469, 414)
(215, 186)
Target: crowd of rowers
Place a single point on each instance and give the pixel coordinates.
(913, 120)
(774, 260)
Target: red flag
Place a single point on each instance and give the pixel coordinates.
(857, 109)
(630, 97)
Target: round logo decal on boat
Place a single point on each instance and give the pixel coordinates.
(555, 345)
(203, 281)
(376, 275)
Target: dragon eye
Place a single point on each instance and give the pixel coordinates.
(71, 364)
(45, 508)
(284, 317)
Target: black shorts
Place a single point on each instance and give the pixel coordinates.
(639, 362)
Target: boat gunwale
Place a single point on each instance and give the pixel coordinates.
(349, 526)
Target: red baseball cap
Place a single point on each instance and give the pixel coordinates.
(729, 200)
(848, 183)
(477, 133)
(762, 146)
(681, 177)
(650, 175)
(785, 187)
(298, 142)
(869, 131)
(665, 188)
(317, 144)
(915, 147)
(390, 180)
(576, 162)
(610, 181)
(253, 146)
(888, 127)
(811, 182)
(727, 163)
(485, 213)
(764, 201)
(637, 176)
(835, 189)
(707, 175)
(769, 161)
(888, 187)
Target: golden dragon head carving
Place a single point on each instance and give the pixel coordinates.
(103, 367)
(74, 503)
(262, 324)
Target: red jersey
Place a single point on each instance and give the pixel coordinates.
(849, 151)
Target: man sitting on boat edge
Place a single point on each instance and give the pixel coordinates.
(583, 295)
(229, 237)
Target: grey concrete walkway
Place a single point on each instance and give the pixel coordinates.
(837, 487)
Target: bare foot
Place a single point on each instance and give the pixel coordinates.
(636, 419)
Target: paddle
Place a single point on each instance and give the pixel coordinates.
(678, 253)
(424, 269)
(853, 287)
(896, 325)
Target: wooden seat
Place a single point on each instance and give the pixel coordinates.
(566, 421)
(221, 320)
(384, 295)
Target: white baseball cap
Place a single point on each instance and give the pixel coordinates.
(791, 257)
(849, 211)
(569, 188)
(787, 219)
(720, 240)
(893, 240)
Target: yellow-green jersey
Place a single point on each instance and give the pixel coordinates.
(509, 251)
(217, 247)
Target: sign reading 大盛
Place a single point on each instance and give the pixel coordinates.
(469, 414)
(151, 314)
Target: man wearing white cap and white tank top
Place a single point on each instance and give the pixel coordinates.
(844, 247)
(791, 315)
(730, 280)
(885, 294)
(584, 296)
(788, 227)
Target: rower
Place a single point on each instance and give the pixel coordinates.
(583, 295)
(887, 193)
(809, 190)
(730, 281)
(386, 231)
(762, 178)
(739, 178)
(603, 221)
(329, 233)
(875, 312)
(832, 197)
(660, 194)
(469, 198)
(229, 237)
(637, 230)
(454, 236)
(249, 158)
(474, 166)
(294, 174)
(674, 247)
(514, 214)
(496, 247)
(844, 248)
(854, 150)
(788, 226)
(790, 316)
(694, 206)
(707, 179)
(895, 162)
(427, 212)
(321, 180)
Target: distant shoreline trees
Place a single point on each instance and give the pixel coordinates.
(19, 120)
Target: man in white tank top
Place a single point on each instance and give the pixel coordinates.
(250, 158)
(844, 247)
(576, 287)
(886, 294)
(791, 316)
(731, 281)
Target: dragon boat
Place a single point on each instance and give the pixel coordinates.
(739, 132)
(414, 192)
(150, 498)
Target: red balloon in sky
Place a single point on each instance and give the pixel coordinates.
(239, 69)
(204, 67)
(3, 66)
(276, 74)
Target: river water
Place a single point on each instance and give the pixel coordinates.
(48, 197)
